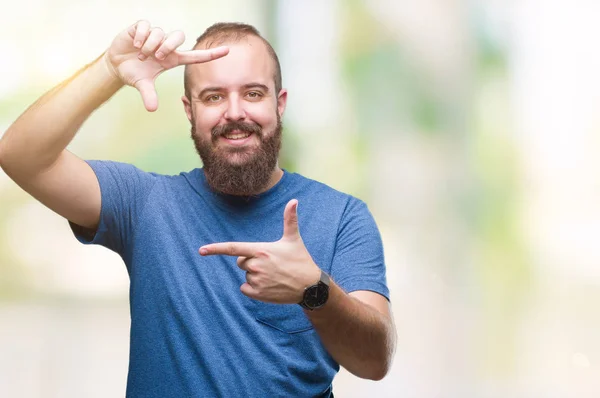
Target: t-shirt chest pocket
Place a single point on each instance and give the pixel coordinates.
(287, 318)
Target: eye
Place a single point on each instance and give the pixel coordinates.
(254, 95)
(213, 98)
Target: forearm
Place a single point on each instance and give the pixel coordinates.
(358, 337)
(37, 138)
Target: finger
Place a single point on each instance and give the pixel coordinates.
(230, 249)
(199, 56)
(131, 30)
(290, 220)
(249, 291)
(252, 265)
(148, 92)
(251, 279)
(242, 263)
(142, 29)
(152, 42)
(173, 40)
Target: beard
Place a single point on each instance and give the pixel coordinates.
(240, 171)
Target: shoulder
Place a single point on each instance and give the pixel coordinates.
(120, 168)
(325, 192)
(327, 201)
(306, 184)
(130, 177)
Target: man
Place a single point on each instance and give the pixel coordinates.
(246, 280)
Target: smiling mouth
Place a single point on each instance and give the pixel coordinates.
(237, 135)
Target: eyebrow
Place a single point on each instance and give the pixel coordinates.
(244, 87)
(256, 85)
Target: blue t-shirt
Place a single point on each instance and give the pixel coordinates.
(193, 333)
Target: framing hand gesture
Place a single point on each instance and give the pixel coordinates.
(140, 53)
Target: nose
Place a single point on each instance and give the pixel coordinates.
(235, 109)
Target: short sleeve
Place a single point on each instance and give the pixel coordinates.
(124, 192)
(358, 262)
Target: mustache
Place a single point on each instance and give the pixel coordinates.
(223, 129)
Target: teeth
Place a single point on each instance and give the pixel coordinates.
(237, 136)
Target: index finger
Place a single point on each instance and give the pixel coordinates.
(230, 249)
(199, 56)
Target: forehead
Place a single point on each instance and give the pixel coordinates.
(248, 61)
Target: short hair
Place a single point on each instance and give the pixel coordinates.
(223, 32)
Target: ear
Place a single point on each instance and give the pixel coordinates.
(281, 101)
(187, 105)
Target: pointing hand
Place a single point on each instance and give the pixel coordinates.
(276, 272)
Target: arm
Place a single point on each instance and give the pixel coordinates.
(357, 330)
(32, 151)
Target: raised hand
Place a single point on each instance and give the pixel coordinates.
(276, 272)
(140, 53)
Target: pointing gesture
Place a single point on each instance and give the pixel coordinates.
(276, 272)
(140, 53)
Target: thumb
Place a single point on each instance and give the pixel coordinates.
(148, 92)
(290, 220)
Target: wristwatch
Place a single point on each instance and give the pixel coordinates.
(316, 296)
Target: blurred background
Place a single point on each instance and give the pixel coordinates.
(470, 128)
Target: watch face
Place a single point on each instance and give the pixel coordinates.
(316, 296)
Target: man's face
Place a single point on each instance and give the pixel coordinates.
(236, 117)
